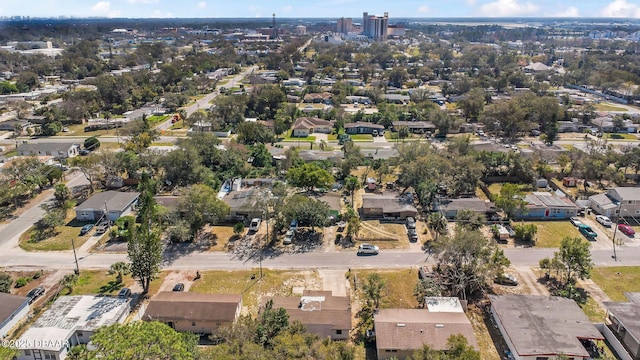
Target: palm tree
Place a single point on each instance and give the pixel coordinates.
(119, 268)
(352, 184)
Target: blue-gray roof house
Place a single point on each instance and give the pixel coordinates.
(545, 205)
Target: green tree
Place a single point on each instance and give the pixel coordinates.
(309, 176)
(307, 210)
(510, 200)
(426, 287)
(61, 194)
(238, 228)
(120, 269)
(574, 258)
(142, 340)
(525, 232)
(373, 288)
(92, 143)
(68, 281)
(89, 166)
(145, 249)
(352, 184)
(250, 133)
(5, 283)
(470, 219)
(353, 226)
(200, 206)
(271, 323)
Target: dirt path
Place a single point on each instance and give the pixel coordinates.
(334, 281)
(594, 290)
(378, 231)
(174, 277)
(531, 280)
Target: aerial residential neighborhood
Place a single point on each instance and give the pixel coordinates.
(295, 185)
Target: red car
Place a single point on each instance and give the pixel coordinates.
(626, 229)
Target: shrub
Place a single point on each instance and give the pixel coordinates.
(21, 282)
(5, 282)
(37, 275)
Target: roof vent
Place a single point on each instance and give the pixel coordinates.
(400, 325)
(439, 325)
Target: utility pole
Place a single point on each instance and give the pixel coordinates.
(615, 230)
(73, 244)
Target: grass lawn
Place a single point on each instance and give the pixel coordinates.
(617, 280)
(609, 107)
(62, 241)
(362, 137)
(495, 188)
(273, 283)
(551, 233)
(100, 282)
(303, 139)
(480, 194)
(11, 153)
(222, 236)
(621, 136)
(593, 311)
(399, 289)
(157, 119)
(160, 143)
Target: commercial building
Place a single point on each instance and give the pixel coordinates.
(375, 27)
(344, 25)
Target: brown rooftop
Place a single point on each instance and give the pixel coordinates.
(409, 329)
(177, 305)
(9, 304)
(315, 307)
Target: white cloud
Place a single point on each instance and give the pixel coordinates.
(424, 9)
(201, 5)
(146, 2)
(622, 9)
(571, 11)
(506, 8)
(472, 2)
(287, 9)
(103, 8)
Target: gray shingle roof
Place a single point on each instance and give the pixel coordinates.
(115, 200)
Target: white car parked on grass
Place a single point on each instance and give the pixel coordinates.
(605, 221)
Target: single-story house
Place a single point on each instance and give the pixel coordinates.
(489, 147)
(400, 332)
(294, 82)
(59, 150)
(320, 312)
(542, 327)
(361, 127)
(537, 67)
(396, 98)
(10, 125)
(12, 310)
(415, 126)
(545, 205)
(319, 155)
(627, 199)
(243, 204)
(318, 98)
(116, 203)
(450, 207)
(623, 319)
(305, 126)
(387, 206)
(606, 124)
(193, 312)
(70, 321)
(353, 99)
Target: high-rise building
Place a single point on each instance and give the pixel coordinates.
(344, 25)
(375, 27)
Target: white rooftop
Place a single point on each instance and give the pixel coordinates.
(443, 304)
(69, 314)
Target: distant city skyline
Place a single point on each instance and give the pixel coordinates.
(319, 9)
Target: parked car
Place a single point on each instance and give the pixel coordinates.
(626, 229)
(368, 249)
(84, 152)
(508, 280)
(413, 235)
(288, 237)
(85, 229)
(124, 293)
(587, 231)
(255, 224)
(34, 294)
(424, 272)
(178, 287)
(605, 221)
(575, 221)
(411, 223)
(294, 225)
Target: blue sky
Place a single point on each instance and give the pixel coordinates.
(321, 8)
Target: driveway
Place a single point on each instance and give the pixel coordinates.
(334, 281)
